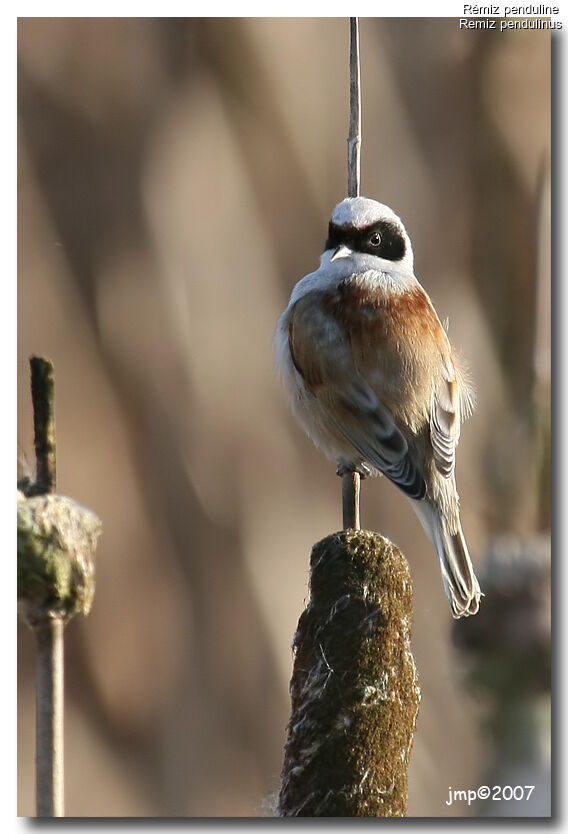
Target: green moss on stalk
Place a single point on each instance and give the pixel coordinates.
(354, 688)
(56, 545)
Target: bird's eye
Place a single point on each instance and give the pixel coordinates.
(375, 239)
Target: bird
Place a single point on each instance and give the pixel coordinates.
(373, 378)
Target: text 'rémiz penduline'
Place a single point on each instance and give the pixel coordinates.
(529, 15)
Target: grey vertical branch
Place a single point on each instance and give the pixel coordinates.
(49, 719)
(49, 634)
(351, 481)
(350, 492)
(354, 140)
(56, 546)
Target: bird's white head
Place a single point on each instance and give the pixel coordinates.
(370, 234)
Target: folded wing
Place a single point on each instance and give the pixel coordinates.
(321, 355)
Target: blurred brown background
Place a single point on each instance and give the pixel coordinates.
(176, 177)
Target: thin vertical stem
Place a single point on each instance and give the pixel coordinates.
(354, 141)
(350, 489)
(49, 719)
(44, 424)
(351, 481)
(49, 634)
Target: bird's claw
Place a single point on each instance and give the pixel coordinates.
(344, 468)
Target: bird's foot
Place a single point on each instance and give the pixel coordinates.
(344, 468)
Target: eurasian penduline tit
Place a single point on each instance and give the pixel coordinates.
(373, 379)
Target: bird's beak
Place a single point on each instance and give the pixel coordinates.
(341, 252)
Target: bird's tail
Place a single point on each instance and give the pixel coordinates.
(458, 577)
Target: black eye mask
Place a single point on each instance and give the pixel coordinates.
(392, 246)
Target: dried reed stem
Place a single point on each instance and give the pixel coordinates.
(351, 487)
(44, 424)
(354, 141)
(49, 719)
(351, 481)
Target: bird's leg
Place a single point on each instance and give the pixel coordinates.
(343, 468)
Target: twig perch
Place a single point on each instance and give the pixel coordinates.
(351, 481)
(354, 141)
(354, 688)
(56, 545)
(351, 488)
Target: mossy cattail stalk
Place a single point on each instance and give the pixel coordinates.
(56, 545)
(354, 687)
